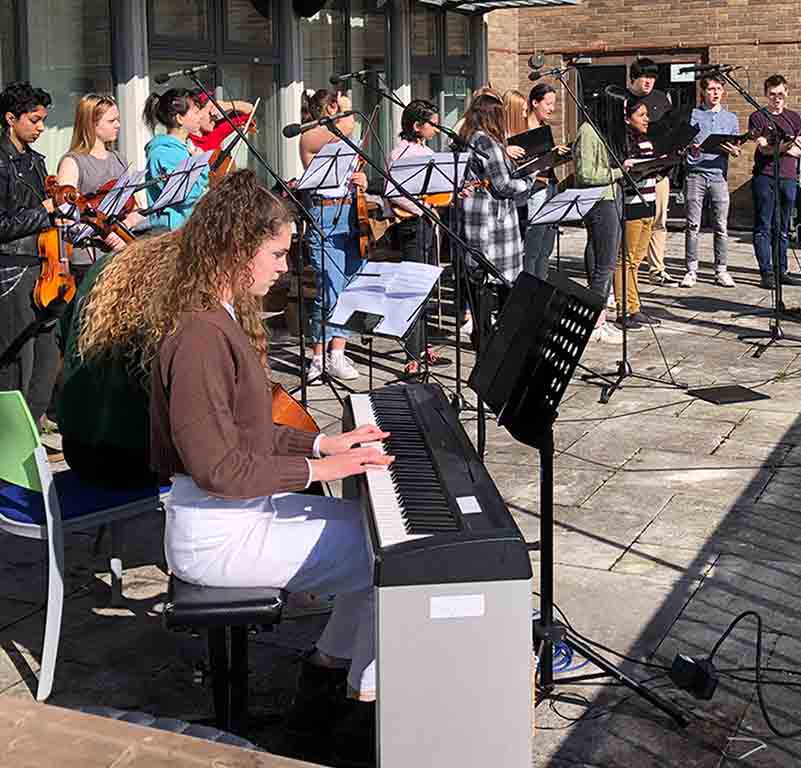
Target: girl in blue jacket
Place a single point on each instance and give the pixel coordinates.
(176, 111)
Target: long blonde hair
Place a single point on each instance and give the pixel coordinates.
(139, 295)
(513, 104)
(88, 112)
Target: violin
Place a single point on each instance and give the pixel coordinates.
(366, 239)
(55, 281)
(288, 412)
(94, 199)
(221, 161)
(88, 205)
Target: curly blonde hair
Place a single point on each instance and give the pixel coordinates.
(141, 292)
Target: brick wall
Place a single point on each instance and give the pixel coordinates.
(503, 34)
(739, 32)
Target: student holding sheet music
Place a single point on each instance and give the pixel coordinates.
(631, 140)
(177, 111)
(540, 238)
(335, 214)
(490, 213)
(414, 233)
(91, 163)
(707, 179)
(789, 123)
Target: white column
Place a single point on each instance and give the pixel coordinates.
(290, 87)
(400, 57)
(129, 66)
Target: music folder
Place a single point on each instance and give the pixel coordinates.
(712, 143)
(536, 142)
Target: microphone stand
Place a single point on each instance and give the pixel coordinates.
(456, 256)
(306, 221)
(624, 369)
(774, 334)
(487, 266)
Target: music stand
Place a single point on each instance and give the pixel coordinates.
(180, 183)
(111, 206)
(525, 369)
(331, 170)
(385, 299)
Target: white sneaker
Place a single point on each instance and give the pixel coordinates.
(340, 367)
(467, 328)
(315, 368)
(689, 280)
(610, 301)
(724, 279)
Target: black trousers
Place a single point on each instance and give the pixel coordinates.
(415, 241)
(34, 369)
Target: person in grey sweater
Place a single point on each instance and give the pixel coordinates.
(707, 179)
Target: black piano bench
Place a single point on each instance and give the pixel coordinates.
(225, 613)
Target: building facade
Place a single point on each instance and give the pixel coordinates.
(760, 39)
(266, 49)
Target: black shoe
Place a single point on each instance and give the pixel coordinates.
(630, 324)
(767, 281)
(790, 279)
(307, 725)
(353, 741)
(643, 319)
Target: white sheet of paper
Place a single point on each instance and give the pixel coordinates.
(411, 172)
(396, 291)
(329, 172)
(181, 181)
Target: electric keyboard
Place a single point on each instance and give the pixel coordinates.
(435, 515)
(452, 591)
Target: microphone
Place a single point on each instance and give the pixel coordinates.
(295, 129)
(702, 69)
(337, 79)
(538, 73)
(167, 76)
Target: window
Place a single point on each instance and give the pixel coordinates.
(179, 20)
(70, 55)
(249, 22)
(457, 28)
(425, 31)
(325, 44)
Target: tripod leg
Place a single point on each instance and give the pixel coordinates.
(668, 707)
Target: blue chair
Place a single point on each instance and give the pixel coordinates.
(36, 504)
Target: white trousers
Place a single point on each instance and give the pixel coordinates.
(289, 541)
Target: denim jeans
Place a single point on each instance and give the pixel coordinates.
(762, 194)
(341, 262)
(539, 238)
(698, 187)
(603, 244)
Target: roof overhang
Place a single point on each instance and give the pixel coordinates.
(472, 8)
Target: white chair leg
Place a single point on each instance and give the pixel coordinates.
(52, 632)
(115, 563)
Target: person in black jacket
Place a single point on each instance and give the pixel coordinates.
(25, 211)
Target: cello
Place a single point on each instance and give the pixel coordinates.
(288, 412)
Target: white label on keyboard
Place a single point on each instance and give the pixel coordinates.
(456, 606)
(468, 504)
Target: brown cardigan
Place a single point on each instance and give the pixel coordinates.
(211, 414)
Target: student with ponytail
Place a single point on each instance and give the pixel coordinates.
(335, 214)
(177, 112)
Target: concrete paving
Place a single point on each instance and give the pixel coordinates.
(673, 516)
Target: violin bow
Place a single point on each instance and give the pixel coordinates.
(237, 140)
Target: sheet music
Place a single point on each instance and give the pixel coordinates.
(396, 291)
(427, 174)
(112, 204)
(184, 176)
(329, 172)
(570, 205)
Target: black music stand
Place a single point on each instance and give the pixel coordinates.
(523, 374)
(330, 169)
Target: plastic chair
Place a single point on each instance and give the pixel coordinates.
(37, 504)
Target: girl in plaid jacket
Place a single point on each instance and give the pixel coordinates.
(489, 215)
